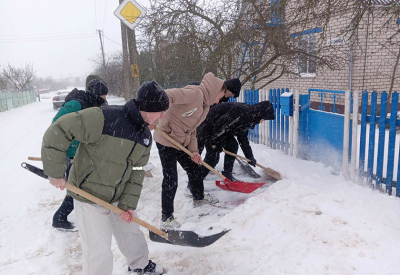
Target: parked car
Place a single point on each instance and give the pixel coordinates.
(59, 99)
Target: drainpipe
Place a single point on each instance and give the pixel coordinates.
(351, 60)
(365, 53)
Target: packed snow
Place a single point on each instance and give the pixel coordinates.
(311, 222)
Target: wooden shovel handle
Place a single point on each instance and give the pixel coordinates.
(115, 209)
(40, 159)
(269, 171)
(35, 158)
(188, 152)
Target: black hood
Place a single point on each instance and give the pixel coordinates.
(86, 99)
(261, 110)
(132, 112)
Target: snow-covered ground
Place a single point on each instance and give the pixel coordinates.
(311, 222)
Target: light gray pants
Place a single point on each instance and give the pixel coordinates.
(96, 225)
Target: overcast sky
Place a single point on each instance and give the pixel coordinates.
(57, 36)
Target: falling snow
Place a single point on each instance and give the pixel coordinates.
(311, 222)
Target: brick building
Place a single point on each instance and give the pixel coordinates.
(369, 65)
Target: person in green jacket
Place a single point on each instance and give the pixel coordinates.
(115, 145)
(75, 101)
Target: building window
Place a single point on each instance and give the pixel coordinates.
(307, 64)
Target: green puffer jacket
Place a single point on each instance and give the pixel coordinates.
(115, 144)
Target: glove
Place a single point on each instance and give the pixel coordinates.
(217, 148)
(252, 162)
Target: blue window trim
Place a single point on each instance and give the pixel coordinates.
(316, 30)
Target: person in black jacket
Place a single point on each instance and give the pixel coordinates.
(75, 101)
(223, 123)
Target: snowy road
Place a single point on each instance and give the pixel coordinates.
(312, 222)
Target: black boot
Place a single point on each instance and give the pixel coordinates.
(151, 268)
(65, 226)
(60, 217)
(228, 175)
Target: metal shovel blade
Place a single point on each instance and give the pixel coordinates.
(34, 170)
(238, 186)
(247, 168)
(187, 238)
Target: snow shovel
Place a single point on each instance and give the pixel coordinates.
(175, 237)
(225, 184)
(247, 168)
(270, 172)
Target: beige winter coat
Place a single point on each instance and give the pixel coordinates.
(188, 108)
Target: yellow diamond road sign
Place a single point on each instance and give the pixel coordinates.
(130, 13)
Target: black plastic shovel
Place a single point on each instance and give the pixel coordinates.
(175, 237)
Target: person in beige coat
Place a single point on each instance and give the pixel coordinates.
(189, 106)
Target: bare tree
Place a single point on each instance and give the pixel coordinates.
(112, 73)
(20, 78)
(221, 30)
(262, 32)
(4, 83)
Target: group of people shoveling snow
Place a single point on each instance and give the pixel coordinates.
(115, 143)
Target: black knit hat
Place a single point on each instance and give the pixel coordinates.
(234, 86)
(98, 87)
(91, 77)
(151, 97)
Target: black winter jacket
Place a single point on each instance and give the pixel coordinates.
(86, 99)
(233, 119)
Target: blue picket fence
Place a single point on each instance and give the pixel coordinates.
(323, 129)
(279, 128)
(274, 133)
(386, 141)
(252, 97)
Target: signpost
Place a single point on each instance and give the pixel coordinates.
(130, 13)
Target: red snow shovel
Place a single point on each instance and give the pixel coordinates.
(226, 184)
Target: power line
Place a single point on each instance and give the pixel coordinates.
(105, 12)
(66, 33)
(95, 12)
(48, 39)
(111, 40)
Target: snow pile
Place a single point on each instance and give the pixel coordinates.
(312, 222)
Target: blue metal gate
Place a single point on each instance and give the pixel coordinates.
(321, 128)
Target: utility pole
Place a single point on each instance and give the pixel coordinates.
(130, 16)
(102, 51)
(133, 57)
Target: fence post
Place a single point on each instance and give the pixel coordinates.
(257, 128)
(278, 119)
(392, 140)
(381, 142)
(294, 150)
(266, 123)
(346, 135)
(363, 136)
(260, 126)
(372, 130)
(274, 121)
(271, 121)
(354, 135)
